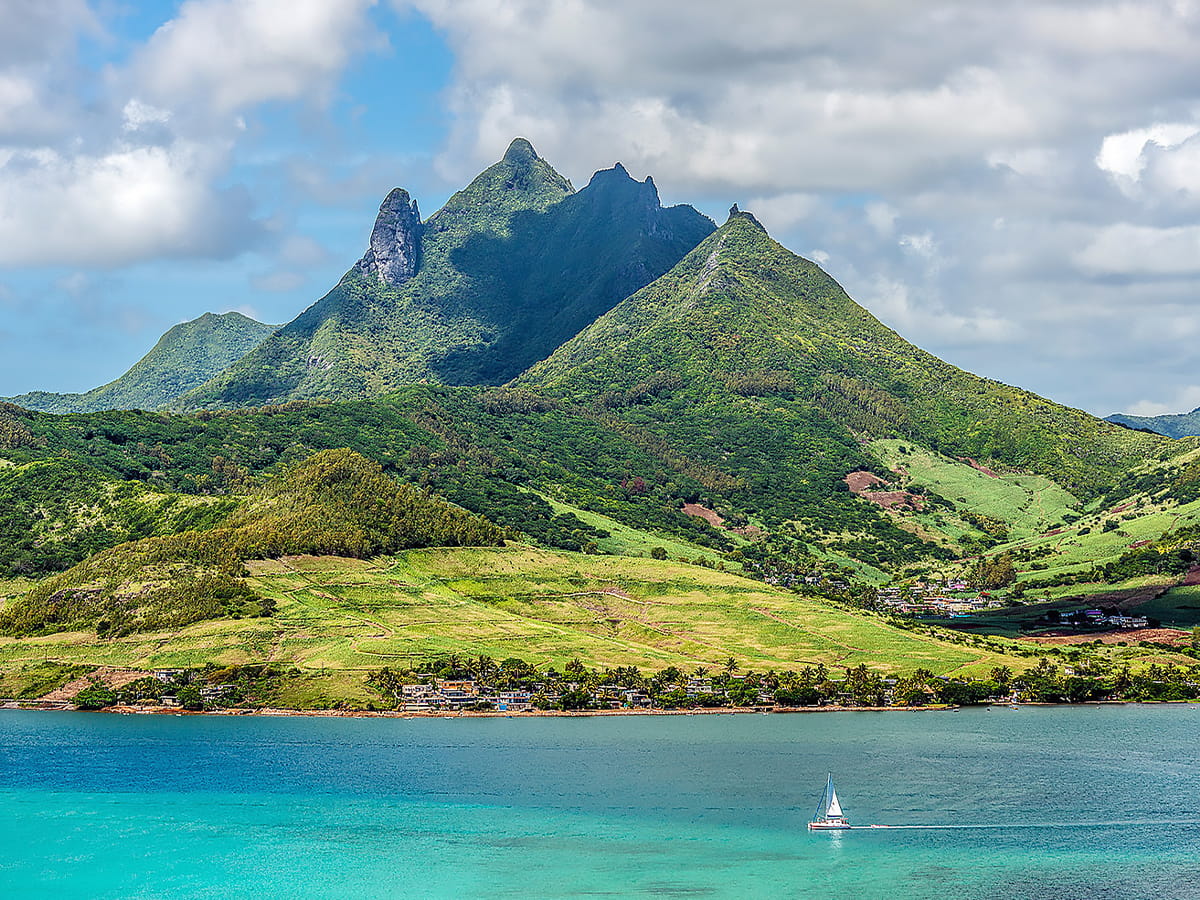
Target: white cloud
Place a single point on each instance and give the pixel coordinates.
(892, 301)
(956, 161)
(230, 54)
(882, 217)
(138, 172)
(1124, 155)
(784, 210)
(1132, 250)
(922, 245)
(277, 282)
(123, 205)
(1184, 400)
(138, 115)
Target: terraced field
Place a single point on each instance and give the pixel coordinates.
(339, 616)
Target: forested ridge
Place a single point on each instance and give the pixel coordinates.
(335, 503)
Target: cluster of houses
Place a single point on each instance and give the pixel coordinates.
(458, 694)
(209, 693)
(923, 600)
(1099, 619)
(452, 694)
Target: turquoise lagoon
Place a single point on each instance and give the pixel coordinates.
(1086, 802)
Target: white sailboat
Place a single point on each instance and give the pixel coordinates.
(829, 815)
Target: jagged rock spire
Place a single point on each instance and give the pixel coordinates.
(394, 254)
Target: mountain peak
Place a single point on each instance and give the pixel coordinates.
(618, 179)
(520, 151)
(395, 248)
(735, 213)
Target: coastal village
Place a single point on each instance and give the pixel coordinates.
(483, 686)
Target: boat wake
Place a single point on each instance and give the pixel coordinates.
(1122, 823)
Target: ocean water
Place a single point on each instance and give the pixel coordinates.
(1095, 802)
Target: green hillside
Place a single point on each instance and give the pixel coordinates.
(508, 269)
(184, 358)
(56, 512)
(1178, 425)
(335, 502)
(334, 615)
(756, 360)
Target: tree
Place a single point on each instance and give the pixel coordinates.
(1002, 675)
(189, 698)
(95, 696)
(658, 552)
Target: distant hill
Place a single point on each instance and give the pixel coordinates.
(1175, 426)
(186, 356)
(512, 266)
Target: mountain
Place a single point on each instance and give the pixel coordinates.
(756, 361)
(185, 357)
(1178, 425)
(512, 266)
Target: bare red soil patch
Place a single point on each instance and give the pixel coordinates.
(974, 464)
(1120, 509)
(894, 499)
(109, 677)
(1193, 576)
(1137, 544)
(862, 481)
(703, 512)
(1156, 635)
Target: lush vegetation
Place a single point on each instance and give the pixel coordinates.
(579, 687)
(336, 502)
(336, 615)
(184, 358)
(743, 325)
(511, 266)
(56, 512)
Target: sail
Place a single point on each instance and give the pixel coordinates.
(835, 808)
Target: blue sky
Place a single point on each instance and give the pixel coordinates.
(1014, 186)
(71, 327)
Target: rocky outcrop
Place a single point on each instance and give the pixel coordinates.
(395, 249)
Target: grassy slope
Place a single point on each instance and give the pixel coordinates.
(57, 511)
(335, 502)
(336, 615)
(184, 358)
(1029, 504)
(1177, 608)
(626, 540)
(1044, 543)
(742, 317)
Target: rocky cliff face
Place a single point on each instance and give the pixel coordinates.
(394, 254)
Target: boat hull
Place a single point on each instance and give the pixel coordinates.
(829, 826)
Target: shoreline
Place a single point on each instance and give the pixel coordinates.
(274, 712)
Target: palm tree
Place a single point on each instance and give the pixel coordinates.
(731, 666)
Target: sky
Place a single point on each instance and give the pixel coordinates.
(1014, 186)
